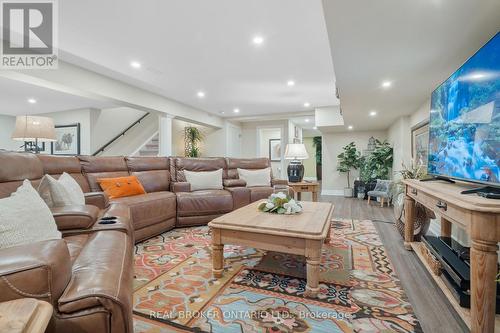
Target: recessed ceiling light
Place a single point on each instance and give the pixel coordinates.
(315, 128)
(258, 40)
(373, 113)
(135, 64)
(236, 110)
(200, 94)
(350, 127)
(222, 112)
(31, 100)
(307, 120)
(307, 104)
(386, 84)
(290, 83)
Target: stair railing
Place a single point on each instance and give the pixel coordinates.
(110, 142)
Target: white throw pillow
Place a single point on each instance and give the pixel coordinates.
(204, 180)
(64, 191)
(25, 218)
(259, 177)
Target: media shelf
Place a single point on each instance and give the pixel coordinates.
(464, 313)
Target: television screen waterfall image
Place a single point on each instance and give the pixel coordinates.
(464, 132)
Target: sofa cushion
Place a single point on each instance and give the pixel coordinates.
(16, 167)
(245, 163)
(204, 202)
(25, 218)
(179, 164)
(204, 180)
(260, 192)
(153, 172)
(150, 208)
(120, 187)
(95, 167)
(257, 177)
(56, 165)
(61, 192)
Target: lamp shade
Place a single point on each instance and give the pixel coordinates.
(31, 128)
(296, 151)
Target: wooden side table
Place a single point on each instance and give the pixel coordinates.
(303, 186)
(25, 315)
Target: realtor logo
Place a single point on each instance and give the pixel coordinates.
(29, 39)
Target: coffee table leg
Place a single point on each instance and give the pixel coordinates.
(217, 254)
(328, 235)
(313, 258)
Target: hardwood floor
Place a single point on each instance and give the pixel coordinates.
(429, 303)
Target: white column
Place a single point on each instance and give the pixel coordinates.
(165, 134)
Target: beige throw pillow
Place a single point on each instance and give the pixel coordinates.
(204, 180)
(25, 218)
(259, 177)
(60, 192)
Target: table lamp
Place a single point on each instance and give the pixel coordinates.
(295, 152)
(33, 129)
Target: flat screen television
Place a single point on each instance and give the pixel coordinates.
(464, 128)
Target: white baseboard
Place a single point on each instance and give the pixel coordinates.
(333, 192)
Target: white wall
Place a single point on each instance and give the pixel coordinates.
(334, 182)
(266, 134)
(84, 118)
(108, 123)
(7, 124)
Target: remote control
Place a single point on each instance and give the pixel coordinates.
(107, 222)
(108, 218)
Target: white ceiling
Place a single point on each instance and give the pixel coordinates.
(190, 45)
(415, 44)
(14, 97)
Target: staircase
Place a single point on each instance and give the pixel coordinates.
(151, 148)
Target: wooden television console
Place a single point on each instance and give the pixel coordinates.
(480, 218)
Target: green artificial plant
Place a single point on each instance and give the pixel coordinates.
(347, 160)
(379, 163)
(317, 146)
(192, 139)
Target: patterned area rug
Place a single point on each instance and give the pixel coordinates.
(264, 291)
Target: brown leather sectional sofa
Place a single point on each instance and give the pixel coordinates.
(87, 276)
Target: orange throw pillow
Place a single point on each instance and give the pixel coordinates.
(121, 186)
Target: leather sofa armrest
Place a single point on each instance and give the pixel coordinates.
(241, 196)
(181, 187)
(75, 217)
(234, 183)
(98, 199)
(276, 181)
(39, 270)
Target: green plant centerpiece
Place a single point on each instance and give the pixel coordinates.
(346, 161)
(192, 139)
(280, 203)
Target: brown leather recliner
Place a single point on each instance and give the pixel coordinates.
(87, 275)
(153, 212)
(256, 192)
(202, 206)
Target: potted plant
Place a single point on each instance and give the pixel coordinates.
(380, 161)
(347, 160)
(192, 139)
(317, 146)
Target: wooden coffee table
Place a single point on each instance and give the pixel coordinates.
(301, 234)
(24, 315)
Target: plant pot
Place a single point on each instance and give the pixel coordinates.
(318, 171)
(348, 192)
